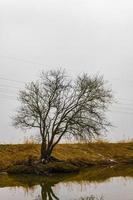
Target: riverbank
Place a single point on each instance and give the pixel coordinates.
(96, 183)
(94, 174)
(77, 155)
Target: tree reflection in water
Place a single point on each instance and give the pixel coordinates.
(92, 176)
(47, 193)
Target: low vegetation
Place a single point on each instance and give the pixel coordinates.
(80, 155)
(94, 174)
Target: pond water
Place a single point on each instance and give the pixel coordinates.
(112, 183)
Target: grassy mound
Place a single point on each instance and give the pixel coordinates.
(88, 154)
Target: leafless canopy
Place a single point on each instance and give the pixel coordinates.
(59, 107)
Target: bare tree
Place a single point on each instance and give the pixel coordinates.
(59, 106)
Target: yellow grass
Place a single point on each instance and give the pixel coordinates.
(77, 153)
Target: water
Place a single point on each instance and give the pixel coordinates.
(114, 183)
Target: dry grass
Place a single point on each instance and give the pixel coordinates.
(10, 154)
(78, 153)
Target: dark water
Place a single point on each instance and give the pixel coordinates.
(112, 183)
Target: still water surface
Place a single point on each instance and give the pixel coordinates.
(92, 184)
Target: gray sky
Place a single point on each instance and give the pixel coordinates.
(79, 35)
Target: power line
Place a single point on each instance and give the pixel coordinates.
(121, 80)
(42, 64)
(21, 60)
(125, 99)
(127, 103)
(17, 81)
(122, 109)
(13, 93)
(19, 88)
(8, 97)
(11, 80)
(8, 87)
(121, 112)
(5, 97)
(116, 111)
(3, 93)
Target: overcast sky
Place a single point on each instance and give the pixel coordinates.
(78, 35)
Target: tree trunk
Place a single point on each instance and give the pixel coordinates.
(43, 149)
(45, 152)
